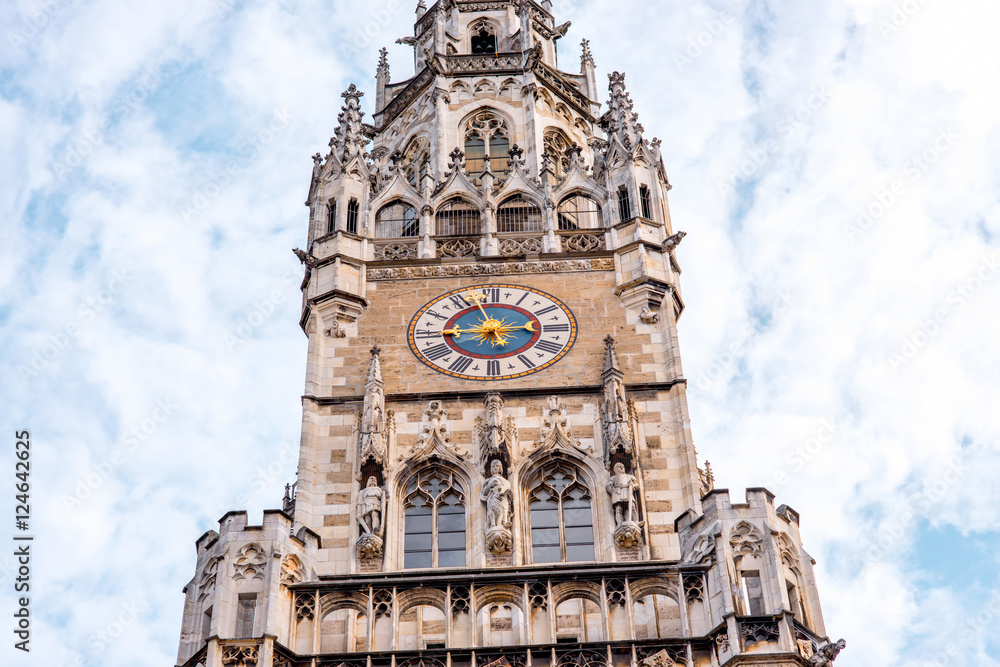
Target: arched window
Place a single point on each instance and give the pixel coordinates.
(416, 162)
(396, 219)
(579, 212)
(343, 631)
(484, 37)
(434, 521)
(656, 616)
(331, 216)
(562, 521)
(487, 138)
(555, 147)
(457, 217)
(579, 620)
(518, 214)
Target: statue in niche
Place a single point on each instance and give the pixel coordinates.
(622, 487)
(499, 498)
(370, 512)
(622, 490)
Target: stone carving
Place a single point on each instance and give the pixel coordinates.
(582, 658)
(291, 571)
(458, 248)
(370, 514)
(382, 603)
(208, 578)
(622, 487)
(495, 436)
(673, 241)
(499, 498)
(722, 642)
(240, 656)
(583, 242)
(616, 592)
(694, 588)
(659, 659)
(335, 330)
(701, 551)
(827, 653)
(804, 645)
(759, 632)
(538, 593)
(556, 430)
(249, 563)
(395, 250)
(412, 272)
(305, 607)
(305, 258)
(351, 135)
(372, 439)
(434, 435)
(618, 442)
(459, 600)
(707, 478)
(648, 316)
(514, 247)
(787, 551)
(746, 539)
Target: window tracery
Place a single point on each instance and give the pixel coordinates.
(562, 524)
(416, 162)
(434, 520)
(555, 146)
(487, 138)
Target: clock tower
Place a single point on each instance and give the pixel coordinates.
(496, 465)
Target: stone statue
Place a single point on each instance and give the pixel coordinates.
(622, 487)
(498, 497)
(827, 653)
(371, 508)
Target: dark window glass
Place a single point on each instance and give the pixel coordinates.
(434, 528)
(579, 212)
(499, 156)
(475, 156)
(331, 217)
(352, 217)
(644, 202)
(561, 518)
(484, 42)
(624, 205)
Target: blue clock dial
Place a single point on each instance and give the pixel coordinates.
(492, 332)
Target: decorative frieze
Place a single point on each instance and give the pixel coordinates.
(396, 250)
(443, 271)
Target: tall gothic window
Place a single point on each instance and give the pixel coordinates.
(433, 521)
(624, 204)
(518, 214)
(644, 203)
(396, 219)
(331, 216)
(579, 212)
(457, 217)
(352, 216)
(487, 138)
(562, 521)
(555, 146)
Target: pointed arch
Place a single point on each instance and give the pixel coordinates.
(433, 501)
(560, 502)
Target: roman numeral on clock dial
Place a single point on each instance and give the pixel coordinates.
(492, 332)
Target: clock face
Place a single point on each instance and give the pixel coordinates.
(492, 332)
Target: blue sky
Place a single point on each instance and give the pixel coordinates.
(834, 164)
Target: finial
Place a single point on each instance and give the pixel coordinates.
(515, 154)
(352, 93)
(317, 158)
(587, 57)
(383, 62)
(457, 156)
(376, 350)
(616, 79)
(610, 355)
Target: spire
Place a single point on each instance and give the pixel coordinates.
(350, 136)
(381, 78)
(621, 121)
(375, 369)
(383, 63)
(611, 359)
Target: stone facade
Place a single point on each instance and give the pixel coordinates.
(558, 517)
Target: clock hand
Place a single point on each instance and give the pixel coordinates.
(476, 299)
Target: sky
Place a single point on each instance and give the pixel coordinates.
(835, 167)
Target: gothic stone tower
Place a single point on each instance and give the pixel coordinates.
(496, 465)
